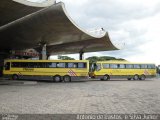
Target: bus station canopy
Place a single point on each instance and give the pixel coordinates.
(25, 25)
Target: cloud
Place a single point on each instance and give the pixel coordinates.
(110, 12)
(133, 22)
(39, 1)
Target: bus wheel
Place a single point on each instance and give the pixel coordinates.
(67, 78)
(106, 77)
(136, 77)
(142, 77)
(57, 78)
(15, 77)
(128, 78)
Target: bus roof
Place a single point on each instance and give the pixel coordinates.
(18, 60)
(121, 62)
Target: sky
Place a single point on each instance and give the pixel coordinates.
(134, 24)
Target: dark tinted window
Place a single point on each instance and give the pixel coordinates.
(31, 65)
(48, 65)
(14, 64)
(23, 64)
(41, 65)
(28, 65)
(20, 64)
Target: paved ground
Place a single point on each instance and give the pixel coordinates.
(119, 96)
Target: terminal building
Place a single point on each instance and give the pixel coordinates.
(30, 29)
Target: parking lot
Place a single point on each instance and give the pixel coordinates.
(91, 96)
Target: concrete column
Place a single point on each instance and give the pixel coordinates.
(48, 55)
(3, 55)
(81, 55)
(44, 52)
(43, 55)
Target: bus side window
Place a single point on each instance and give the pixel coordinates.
(7, 66)
(129, 66)
(151, 66)
(61, 65)
(71, 65)
(121, 66)
(114, 66)
(81, 65)
(52, 65)
(136, 66)
(105, 66)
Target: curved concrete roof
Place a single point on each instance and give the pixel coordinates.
(11, 10)
(26, 26)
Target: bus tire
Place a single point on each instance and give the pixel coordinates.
(15, 77)
(129, 78)
(142, 77)
(101, 79)
(106, 77)
(66, 78)
(136, 77)
(57, 78)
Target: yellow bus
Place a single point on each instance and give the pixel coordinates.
(57, 70)
(106, 70)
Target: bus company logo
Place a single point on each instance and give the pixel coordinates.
(72, 73)
(28, 69)
(146, 72)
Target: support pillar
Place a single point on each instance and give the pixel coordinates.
(43, 55)
(3, 55)
(48, 56)
(81, 55)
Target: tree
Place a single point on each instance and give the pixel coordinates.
(102, 58)
(93, 59)
(65, 58)
(121, 59)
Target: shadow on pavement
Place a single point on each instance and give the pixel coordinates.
(4, 81)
